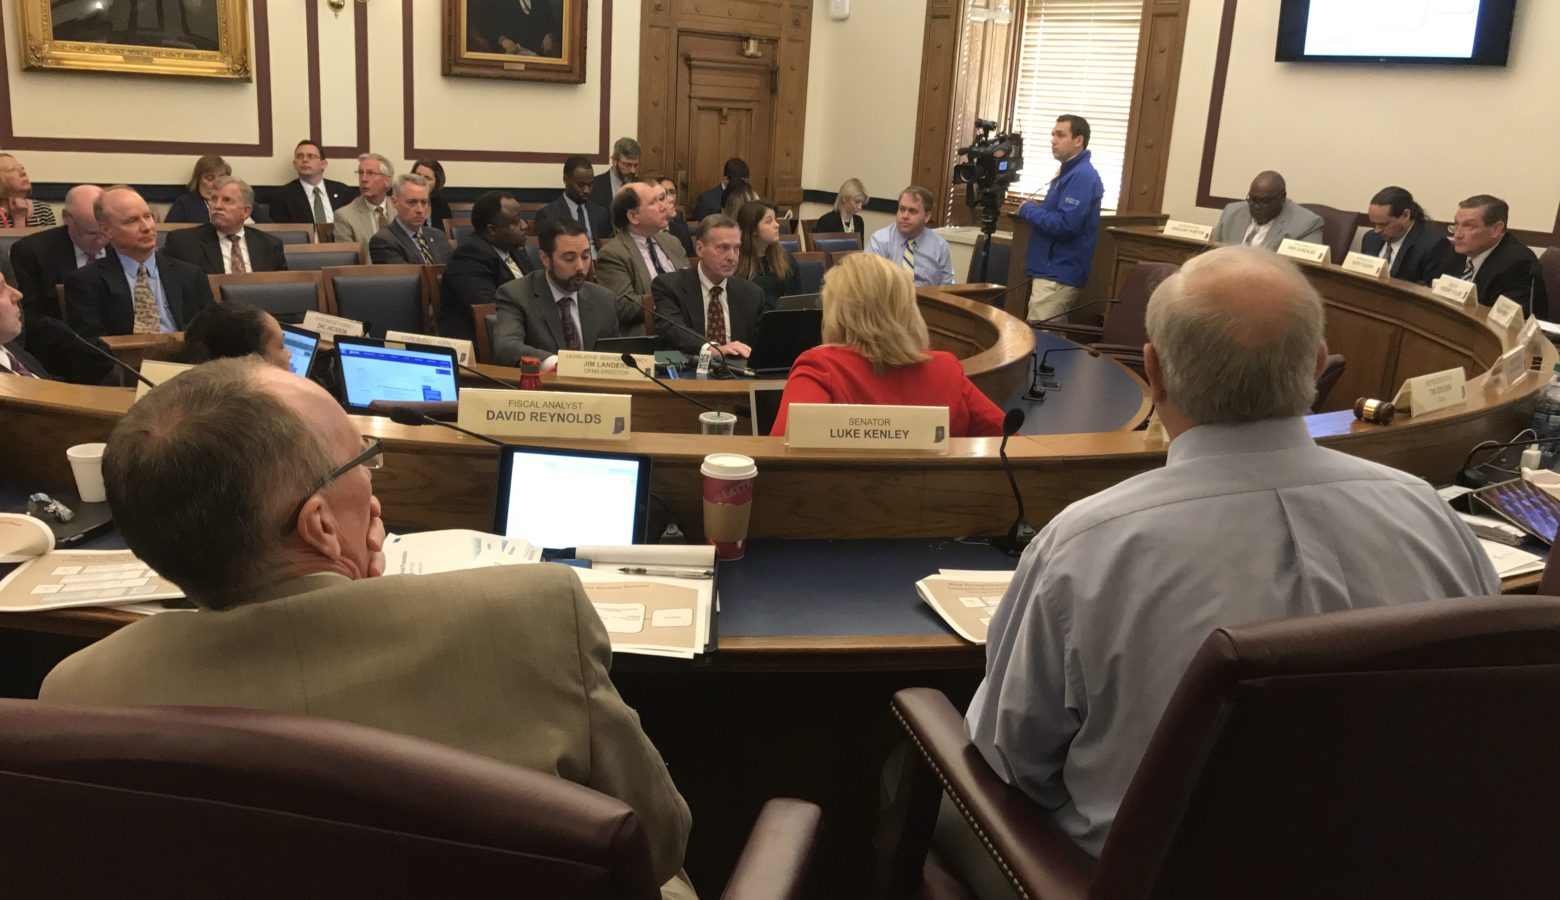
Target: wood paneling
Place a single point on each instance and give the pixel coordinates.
(1160, 44)
(932, 165)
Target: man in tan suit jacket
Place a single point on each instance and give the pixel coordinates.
(637, 252)
(294, 615)
(371, 210)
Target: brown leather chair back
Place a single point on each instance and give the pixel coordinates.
(1549, 271)
(1405, 751)
(1124, 323)
(1338, 227)
(1327, 380)
(483, 345)
(170, 801)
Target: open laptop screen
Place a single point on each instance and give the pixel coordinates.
(372, 371)
(559, 498)
(302, 344)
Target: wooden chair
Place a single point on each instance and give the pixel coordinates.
(285, 295)
(790, 243)
(647, 302)
(1326, 381)
(388, 297)
(319, 256)
(9, 236)
(289, 234)
(812, 266)
(325, 232)
(462, 207)
(834, 242)
(481, 315)
(166, 228)
(431, 297)
(834, 258)
(458, 230)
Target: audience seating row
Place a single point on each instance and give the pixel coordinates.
(387, 297)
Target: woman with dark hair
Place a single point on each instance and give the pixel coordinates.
(439, 207)
(230, 329)
(191, 206)
(763, 260)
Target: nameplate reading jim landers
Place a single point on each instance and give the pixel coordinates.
(548, 414)
(461, 346)
(1365, 264)
(1304, 250)
(331, 326)
(1428, 393)
(826, 426)
(1189, 230)
(587, 364)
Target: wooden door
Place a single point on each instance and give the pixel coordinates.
(724, 104)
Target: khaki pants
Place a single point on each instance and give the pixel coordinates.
(1047, 299)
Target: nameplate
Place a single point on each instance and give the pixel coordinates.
(461, 346)
(1529, 338)
(1304, 250)
(1428, 393)
(1511, 368)
(1505, 317)
(829, 426)
(331, 326)
(1454, 291)
(1365, 264)
(585, 364)
(158, 372)
(550, 414)
(1189, 230)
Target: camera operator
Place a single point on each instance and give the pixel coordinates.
(1065, 224)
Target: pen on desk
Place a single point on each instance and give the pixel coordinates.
(667, 573)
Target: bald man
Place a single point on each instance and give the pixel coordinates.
(42, 260)
(638, 252)
(1267, 216)
(1248, 520)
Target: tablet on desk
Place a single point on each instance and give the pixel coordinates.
(558, 498)
(372, 371)
(304, 346)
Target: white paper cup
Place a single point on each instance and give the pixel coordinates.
(86, 463)
(718, 422)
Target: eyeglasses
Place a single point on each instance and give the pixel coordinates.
(361, 172)
(307, 156)
(371, 458)
(1264, 201)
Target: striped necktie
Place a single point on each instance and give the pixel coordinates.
(422, 247)
(908, 259)
(1467, 273)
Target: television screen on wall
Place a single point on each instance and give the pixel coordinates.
(1436, 32)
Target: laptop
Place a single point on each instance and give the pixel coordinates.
(304, 345)
(764, 405)
(372, 371)
(783, 335)
(800, 301)
(557, 498)
(643, 345)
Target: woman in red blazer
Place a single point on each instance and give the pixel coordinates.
(874, 351)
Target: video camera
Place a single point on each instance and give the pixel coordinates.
(992, 164)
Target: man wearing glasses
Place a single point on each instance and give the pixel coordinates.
(312, 197)
(1267, 216)
(368, 215)
(1497, 263)
(251, 489)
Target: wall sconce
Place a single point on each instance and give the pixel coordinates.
(750, 48)
(336, 6)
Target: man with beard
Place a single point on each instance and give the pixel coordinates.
(556, 308)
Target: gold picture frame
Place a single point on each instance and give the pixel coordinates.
(189, 38)
(477, 45)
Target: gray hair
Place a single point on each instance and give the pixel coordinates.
(201, 474)
(245, 192)
(626, 148)
(385, 168)
(1236, 331)
(409, 178)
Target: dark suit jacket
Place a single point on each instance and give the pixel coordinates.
(530, 324)
(831, 223)
(42, 260)
(188, 207)
(601, 191)
(202, 247)
(98, 301)
(393, 245)
(680, 297)
(561, 208)
(1423, 257)
(678, 226)
(708, 203)
(472, 276)
(493, 19)
(1511, 270)
(289, 204)
(27, 359)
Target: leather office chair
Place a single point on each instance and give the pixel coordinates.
(1338, 227)
(285, 295)
(791, 243)
(1123, 333)
(1404, 751)
(484, 317)
(833, 243)
(1327, 380)
(458, 230)
(180, 801)
(388, 298)
(533, 252)
(286, 233)
(811, 267)
(302, 257)
(166, 228)
(997, 267)
(1549, 271)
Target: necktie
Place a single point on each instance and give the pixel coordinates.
(514, 267)
(146, 318)
(16, 365)
(908, 259)
(422, 247)
(236, 256)
(319, 205)
(1251, 234)
(1467, 274)
(655, 258)
(571, 334)
(579, 213)
(379, 219)
(1386, 253)
(715, 318)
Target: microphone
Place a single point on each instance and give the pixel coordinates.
(1035, 323)
(628, 360)
(51, 324)
(1021, 532)
(702, 339)
(402, 415)
(1037, 389)
(486, 377)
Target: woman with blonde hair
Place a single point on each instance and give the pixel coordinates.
(764, 261)
(874, 351)
(192, 205)
(846, 216)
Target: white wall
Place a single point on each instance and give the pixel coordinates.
(1340, 133)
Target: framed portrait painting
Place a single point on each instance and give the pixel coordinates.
(525, 40)
(194, 38)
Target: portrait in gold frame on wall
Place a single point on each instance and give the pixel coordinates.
(524, 40)
(195, 38)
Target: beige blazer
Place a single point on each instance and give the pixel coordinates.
(621, 269)
(507, 662)
(355, 221)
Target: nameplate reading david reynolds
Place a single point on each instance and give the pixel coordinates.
(595, 417)
(826, 426)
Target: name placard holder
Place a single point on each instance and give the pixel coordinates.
(1511, 368)
(1530, 338)
(546, 414)
(586, 364)
(827, 426)
(157, 372)
(1367, 265)
(461, 346)
(1505, 319)
(1455, 291)
(331, 326)
(1428, 393)
(1189, 230)
(1304, 251)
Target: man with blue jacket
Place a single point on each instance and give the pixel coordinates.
(1065, 224)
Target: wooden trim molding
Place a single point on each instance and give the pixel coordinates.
(932, 164)
(1161, 42)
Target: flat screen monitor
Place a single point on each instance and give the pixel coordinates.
(1460, 32)
(558, 498)
(303, 345)
(372, 371)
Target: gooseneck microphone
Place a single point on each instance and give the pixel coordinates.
(402, 415)
(1021, 532)
(52, 325)
(703, 339)
(1037, 390)
(486, 377)
(628, 360)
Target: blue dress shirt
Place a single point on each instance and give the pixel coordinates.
(933, 262)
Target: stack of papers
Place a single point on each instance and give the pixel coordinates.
(1511, 561)
(64, 578)
(431, 552)
(656, 600)
(966, 599)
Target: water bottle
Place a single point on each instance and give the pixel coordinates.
(1546, 416)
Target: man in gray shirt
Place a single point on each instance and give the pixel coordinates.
(1248, 520)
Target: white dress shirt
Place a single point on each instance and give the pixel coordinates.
(1244, 523)
(308, 194)
(226, 243)
(1478, 261)
(1257, 234)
